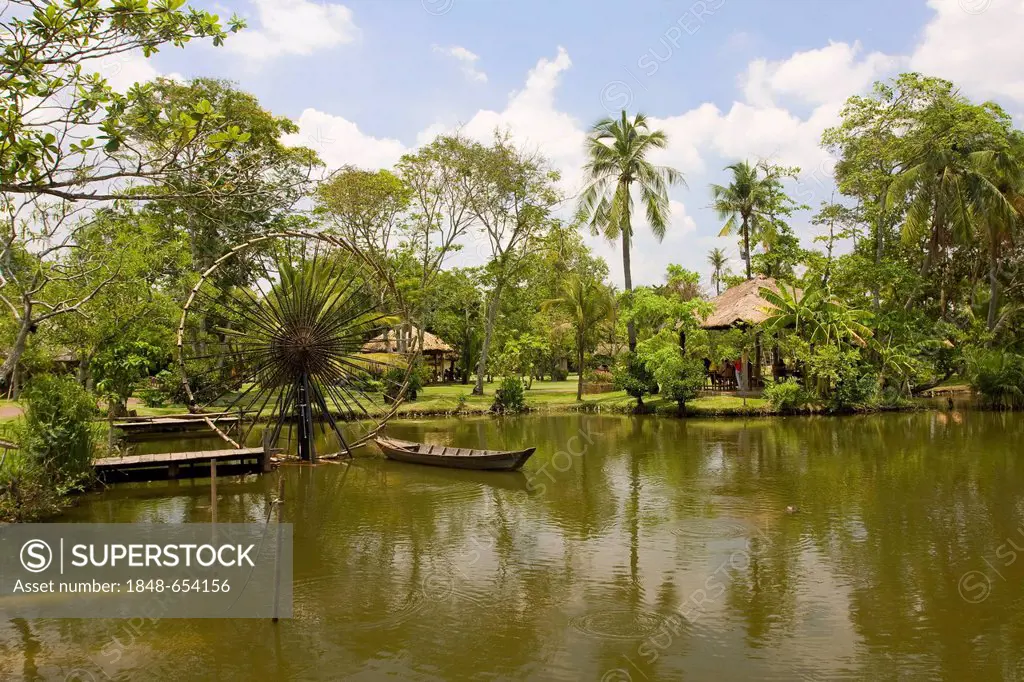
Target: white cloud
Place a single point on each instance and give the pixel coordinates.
(298, 27)
(535, 123)
(820, 76)
(530, 117)
(122, 71)
(782, 108)
(340, 142)
(467, 60)
(976, 44)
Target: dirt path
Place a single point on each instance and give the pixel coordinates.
(10, 411)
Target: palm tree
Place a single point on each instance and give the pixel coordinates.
(742, 203)
(816, 316)
(587, 302)
(718, 261)
(617, 150)
(1000, 218)
(952, 197)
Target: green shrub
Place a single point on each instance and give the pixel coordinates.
(893, 397)
(118, 369)
(632, 376)
(58, 432)
(679, 377)
(999, 377)
(787, 396)
(26, 491)
(840, 379)
(559, 374)
(393, 379)
(510, 396)
(856, 387)
(159, 391)
(57, 441)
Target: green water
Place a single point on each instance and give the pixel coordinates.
(629, 549)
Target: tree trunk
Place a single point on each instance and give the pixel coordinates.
(993, 283)
(18, 349)
(117, 408)
(878, 261)
(630, 327)
(492, 315)
(579, 369)
(746, 246)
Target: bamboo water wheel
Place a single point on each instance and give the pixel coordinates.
(273, 331)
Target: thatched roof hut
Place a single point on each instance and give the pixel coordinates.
(388, 343)
(741, 305)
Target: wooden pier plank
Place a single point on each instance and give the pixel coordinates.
(169, 458)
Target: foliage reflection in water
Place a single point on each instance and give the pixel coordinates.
(628, 549)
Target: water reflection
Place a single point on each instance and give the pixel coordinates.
(629, 548)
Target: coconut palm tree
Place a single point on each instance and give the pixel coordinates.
(617, 150)
(1001, 216)
(742, 203)
(718, 261)
(955, 197)
(586, 302)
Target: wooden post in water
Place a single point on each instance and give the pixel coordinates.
(265, 463)
(213, 491)
(279, 502)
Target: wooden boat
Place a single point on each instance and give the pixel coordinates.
(454, 458)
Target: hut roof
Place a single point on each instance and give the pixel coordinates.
(386, 343)
(741, 305)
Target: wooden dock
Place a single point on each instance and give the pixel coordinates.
(177, 424)
(195, 464)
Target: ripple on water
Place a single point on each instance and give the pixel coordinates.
(446, 494)
(621, 624)
(711, 529)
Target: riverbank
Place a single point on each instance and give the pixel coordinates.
(560, 397)
(552, 397)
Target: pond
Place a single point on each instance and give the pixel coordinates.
(630, 548)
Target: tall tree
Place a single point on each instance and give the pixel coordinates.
(510, 195)
(617, 151)
(999, 221)
(948, 179)
(719, 267)
(439, 217)
(64, 132)
(257, 181)
(742, 203)
(587, 302)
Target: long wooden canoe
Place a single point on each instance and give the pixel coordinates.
(454, 458)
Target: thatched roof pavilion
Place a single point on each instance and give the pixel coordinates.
(741, 305)
(434, 349)
(388, 343)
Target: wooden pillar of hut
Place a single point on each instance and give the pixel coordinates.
(744, 377)
(757, 357)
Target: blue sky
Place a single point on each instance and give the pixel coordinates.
(370, 79)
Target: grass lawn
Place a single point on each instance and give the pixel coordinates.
(557, 396)
(544, 396)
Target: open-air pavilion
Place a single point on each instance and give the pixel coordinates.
(743, 307)
(436, 352)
